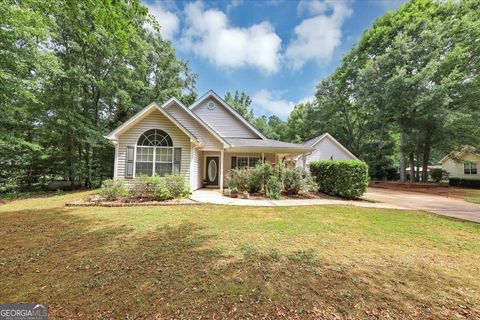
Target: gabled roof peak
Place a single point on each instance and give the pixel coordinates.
(211, 93)
(142, 113)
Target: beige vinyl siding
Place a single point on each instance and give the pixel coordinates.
(153, 120)
(195, 182)
(223, 121)
(209, 141)
(325, 150)
(455, 169)
(201, 166)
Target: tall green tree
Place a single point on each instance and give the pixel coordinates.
(408, 87)
(25, 68)
(105, 66)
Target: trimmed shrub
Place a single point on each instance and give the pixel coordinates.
(262, 172)
(293, 181)
(464, 183)
(345, 178)
(438, 175)
(159, 188)
(113, 189)
(177, 186)
(297, 179)
(279, 171)
(273, 187)
(254, 180)
(238, 179)
(145, 186)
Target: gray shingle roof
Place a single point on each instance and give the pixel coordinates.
(309, 143)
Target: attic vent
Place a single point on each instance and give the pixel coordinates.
(211, 105)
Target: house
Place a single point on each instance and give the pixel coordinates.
(462, 164)
(325, 147)
(202, 142)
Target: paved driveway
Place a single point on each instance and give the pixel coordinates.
(214, 196)
(421, 201)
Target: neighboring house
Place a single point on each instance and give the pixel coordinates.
(462, 164)
(202, 142)
(325, 147)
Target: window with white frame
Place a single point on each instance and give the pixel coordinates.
(247, 161)
(469, 168)
(154, 153)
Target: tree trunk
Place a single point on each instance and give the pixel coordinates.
(71, 170)
(403, 175)
(425, 160)
(417, 171)
(87, 166)
(412, 167)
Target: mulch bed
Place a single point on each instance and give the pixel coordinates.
(287, 196)
(406, 185)
(81, 203)
(439, 189)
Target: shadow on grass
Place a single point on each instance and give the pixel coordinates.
(86, 269)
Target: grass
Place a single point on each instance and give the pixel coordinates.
(323, 262)
(471, 195)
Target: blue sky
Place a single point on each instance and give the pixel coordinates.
(274, 50)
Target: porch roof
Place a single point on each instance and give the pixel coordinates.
(267, 145)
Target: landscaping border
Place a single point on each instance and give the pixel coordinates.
(186, 202)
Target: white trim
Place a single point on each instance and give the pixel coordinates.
(154, 158)
(199, 120)
(211, 150)
(221, 170)
(113, 135)
(248, 156)
(328, 135)
(134, 160)
(320, 137)
(115, 163)
(212, 93)
(192, 148)
(448, 156)
(471, 164)
(458, 154)
(154, 151)
(204, 169)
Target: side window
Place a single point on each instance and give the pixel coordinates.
(469, 167)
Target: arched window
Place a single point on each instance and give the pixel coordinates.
(154, 153)
(155, 138)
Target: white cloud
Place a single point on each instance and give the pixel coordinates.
(209, 35)
(273, 103)
(233, 4)
(168, 21)
(307, 99)
(316, 38)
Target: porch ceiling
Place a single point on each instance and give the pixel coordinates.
(266, 145)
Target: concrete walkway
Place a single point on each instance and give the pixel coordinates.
(215, 197)
(420, 201)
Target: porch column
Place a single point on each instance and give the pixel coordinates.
(263, 157)
(221, 170)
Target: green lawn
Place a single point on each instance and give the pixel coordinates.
(323, 262)
(473, 196)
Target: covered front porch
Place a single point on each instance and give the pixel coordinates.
(215, 165)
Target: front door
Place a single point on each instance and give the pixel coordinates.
(212, 171)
